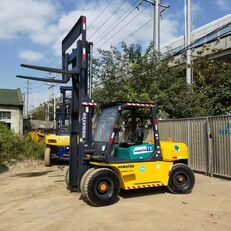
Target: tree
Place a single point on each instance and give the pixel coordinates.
(131, 74)
(212, 86)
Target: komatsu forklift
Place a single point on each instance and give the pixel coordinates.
(117, 156)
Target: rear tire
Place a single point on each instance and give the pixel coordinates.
(101, 187)
(47, 157)
(181, 179)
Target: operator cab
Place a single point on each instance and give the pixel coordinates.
(120, 132)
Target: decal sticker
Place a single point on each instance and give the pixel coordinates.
(84, 125)
(126, 166)
(226, 131)
(143, 149)
(177, 147)
(142, 169)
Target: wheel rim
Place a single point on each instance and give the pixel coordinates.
(104, 187)
(181, 180)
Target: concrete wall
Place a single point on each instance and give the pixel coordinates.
(16, 120)
(35, 124)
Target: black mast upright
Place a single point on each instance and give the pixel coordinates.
(81, 105)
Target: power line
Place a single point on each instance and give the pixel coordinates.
(105, 31)
(107, 19)
(100, 14)
(136, 31)
(125, 25)
(119, 22)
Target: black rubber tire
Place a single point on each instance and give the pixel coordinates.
(47, 157)
(67, 178)
(181, 179)
(92, 187)
(83, 180)
(67, 182)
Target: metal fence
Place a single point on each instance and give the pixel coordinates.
(208, 140)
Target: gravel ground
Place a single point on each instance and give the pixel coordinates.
(33, 197)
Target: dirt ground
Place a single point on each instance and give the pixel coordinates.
(33, 197)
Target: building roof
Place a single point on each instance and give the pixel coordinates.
(11, 97)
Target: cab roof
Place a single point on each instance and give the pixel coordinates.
(129, 104)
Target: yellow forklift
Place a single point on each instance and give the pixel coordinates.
(102, 164)
(57, 144)
(132, 163)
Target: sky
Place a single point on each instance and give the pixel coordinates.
(31, 31)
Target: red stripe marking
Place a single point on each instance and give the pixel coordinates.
(155, 121)
(145, 186)
(88, 104)
(84, 19)
(84, 57)
(140, 104)
(110, 141)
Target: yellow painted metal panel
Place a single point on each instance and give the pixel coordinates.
(55, 140)
(172, 151)
(141, 174)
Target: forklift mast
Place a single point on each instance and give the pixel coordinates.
(75, 66)
(82, 105)
(64, 114)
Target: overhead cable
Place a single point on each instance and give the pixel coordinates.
(133, 8)
(100, 14)
(124, 26)
(106, 20)
(135, 31)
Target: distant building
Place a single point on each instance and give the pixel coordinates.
(11, 109)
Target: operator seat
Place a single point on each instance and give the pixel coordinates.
(136, 138)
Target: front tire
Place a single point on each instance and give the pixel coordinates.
(84, 177)
(101, 187)
(47, 157)
(181, 179)
(67, 178)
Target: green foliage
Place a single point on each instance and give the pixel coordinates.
(131, 74)
(212, 86)
(16, 147)
(41, 112)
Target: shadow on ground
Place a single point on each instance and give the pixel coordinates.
(31, 174)
(3, 168)
(126, 194)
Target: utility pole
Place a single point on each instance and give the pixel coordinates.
(49, 99)
(156, 25)
(27, 98)
(54, 106)
(156, 21)
(188, 29)
(50, 96)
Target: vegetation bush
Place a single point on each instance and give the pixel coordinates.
(16, 147)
